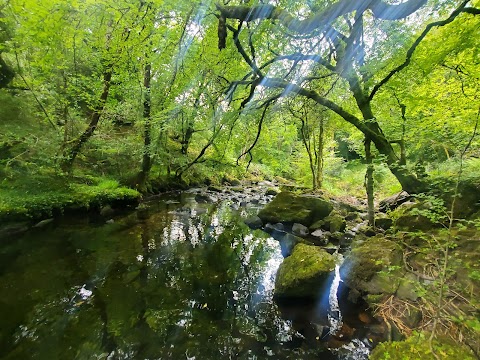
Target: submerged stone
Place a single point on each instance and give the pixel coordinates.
(303, 273)
(290, 208)
(13, 229)
(43, 223)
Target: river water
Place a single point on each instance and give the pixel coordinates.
(180, 279)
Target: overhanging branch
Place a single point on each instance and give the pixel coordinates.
(417, 42)
(323, 19)
(291, 88)
(259, 131)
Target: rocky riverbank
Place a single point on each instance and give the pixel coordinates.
(394, 267)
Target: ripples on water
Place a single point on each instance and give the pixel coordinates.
(181, 280)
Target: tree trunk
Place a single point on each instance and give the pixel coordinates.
(371, 129)
(410, 183)
(147, 139)
(6, 73)
(369, 183)
(187, 136)
(71, 152)
(306, 143)
(321, 145)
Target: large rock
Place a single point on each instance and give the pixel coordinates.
(299, 230)
(13, 230)
(335, 223)
(288, 242)
(467, 201)
(253, 222)
(383, 221)
(394, 201)
(303, 273)
(365, 267)
(414, 217)
(290, 208)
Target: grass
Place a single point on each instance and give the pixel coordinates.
(40, 195)
(342, 178)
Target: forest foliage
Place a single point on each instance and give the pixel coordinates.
(139, 93)
(102, 101)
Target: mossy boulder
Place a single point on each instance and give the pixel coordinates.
(287, 207)
(253, 222)
(408, 288)
(302, 274)
(383, 221)
(373, 266)
(413, 222)
(272, 191)
(228, 180)
(467, 201)
(418, 346)
(334, 223)
(317, 225)
(413, 217)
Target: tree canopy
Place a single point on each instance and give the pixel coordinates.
(176, 87)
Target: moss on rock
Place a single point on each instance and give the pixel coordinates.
(414, 216)
(303, 273)
(287, 207)
(364, 268)
(417, 347)
(335, 223)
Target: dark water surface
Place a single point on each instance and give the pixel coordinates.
(181, 280)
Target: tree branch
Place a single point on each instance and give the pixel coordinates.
(259, 131)
(290, 88)
(301, 57)
(34, 94)
(385, 11)
(414, 46)
(322, 19)
(241, 50)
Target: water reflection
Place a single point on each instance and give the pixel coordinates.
(179, 280)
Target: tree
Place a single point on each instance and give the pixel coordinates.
(313, 138)
(118, 33)
(6, 72)
(333, 40)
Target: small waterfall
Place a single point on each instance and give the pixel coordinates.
(356, 349)
(334, 313)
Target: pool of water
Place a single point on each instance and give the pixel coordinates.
(180, 279)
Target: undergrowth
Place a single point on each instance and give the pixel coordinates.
(44, 194)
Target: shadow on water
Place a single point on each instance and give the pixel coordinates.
(178, 279)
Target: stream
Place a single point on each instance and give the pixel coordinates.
(182, 277)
